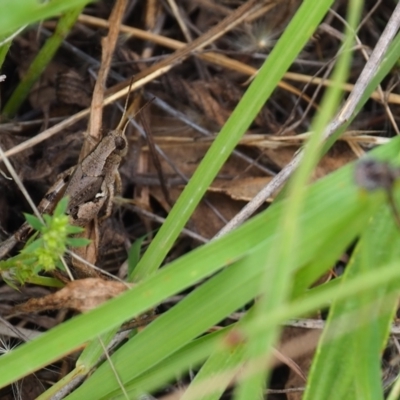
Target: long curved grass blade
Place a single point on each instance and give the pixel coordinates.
(357, 328)
(289, 45)
(17, 13)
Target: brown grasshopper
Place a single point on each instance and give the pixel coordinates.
(90, 186)
(96, 179)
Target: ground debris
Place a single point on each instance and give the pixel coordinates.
(81, 295)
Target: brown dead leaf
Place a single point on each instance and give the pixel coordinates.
(81, 295)
(338, 156)
(241, 189)
(187, 156)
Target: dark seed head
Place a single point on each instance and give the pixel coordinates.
(373, 174)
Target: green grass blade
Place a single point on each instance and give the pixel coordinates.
(41, 61)
(18, 13)
(288, 47)
(355, 334)
(3, 51)
(85, 363)
(210, 303)
(171, 367)
(318, 298)
(213, 379)
(276, 283)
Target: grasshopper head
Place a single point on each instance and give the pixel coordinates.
(120, 142)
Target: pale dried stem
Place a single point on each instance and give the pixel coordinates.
(108, 46)
(181, 23)
(113, 369)
(100, 270)
(382, 95)
(273, 141)
(19, 183)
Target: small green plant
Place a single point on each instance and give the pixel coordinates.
(44, 250)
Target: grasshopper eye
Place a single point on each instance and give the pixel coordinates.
(120, 143)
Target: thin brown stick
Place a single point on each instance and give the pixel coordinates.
(108, 47)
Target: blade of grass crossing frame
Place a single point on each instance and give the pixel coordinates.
(186, 358)
(278, 281)
(88, 359)
(222, 366)
(295, 36)
(349, 354)
(224, 293)
(215, 376)
(24, 12)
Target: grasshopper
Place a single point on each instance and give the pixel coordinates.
(90, 186)
(95, 180)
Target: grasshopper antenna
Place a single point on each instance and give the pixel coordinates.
(125, 119)
(127, 114)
